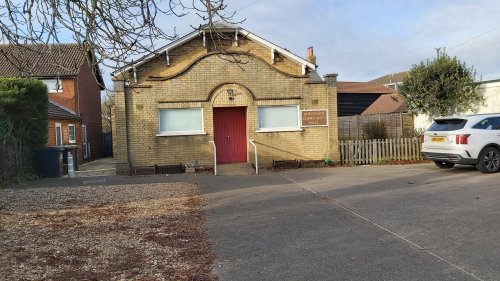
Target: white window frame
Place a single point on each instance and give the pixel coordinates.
(58, 83)
(60, 134)
(182, 133)
(279, 129)
(74, 133)
(85, 144)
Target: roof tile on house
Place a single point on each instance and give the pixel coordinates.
(314, 77)
(387, 104)
(41, 60)
(57, 111)
(363, 88)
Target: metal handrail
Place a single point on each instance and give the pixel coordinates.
(215, 157)
(256, 161)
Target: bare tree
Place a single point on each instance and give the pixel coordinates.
(106, 108)
(114, 30)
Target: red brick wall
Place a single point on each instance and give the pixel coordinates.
(65, 134)
(89, 93)
(83, 96)
(67, 97)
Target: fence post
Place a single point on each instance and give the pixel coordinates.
(370, 151)
(406, 148)
(341, 147)
(357, 127)
(412, 147)
(417, 140)
(386, 149)
(401, 122)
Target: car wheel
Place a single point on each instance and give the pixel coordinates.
(444, 165)
(489, 161)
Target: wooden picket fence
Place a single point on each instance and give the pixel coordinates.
(361, 152)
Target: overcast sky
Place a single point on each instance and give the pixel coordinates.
(362, 40)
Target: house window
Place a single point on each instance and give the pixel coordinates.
(71, 133)
(53, 85)
(58, 134)
(180, 121)
(279, 118)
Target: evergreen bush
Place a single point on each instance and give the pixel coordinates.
(23, 126)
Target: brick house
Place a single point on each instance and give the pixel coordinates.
(74, 91)
(171, 104)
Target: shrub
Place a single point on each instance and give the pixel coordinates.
(375, 130)
(23, 125)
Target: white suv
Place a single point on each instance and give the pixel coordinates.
(470, 140)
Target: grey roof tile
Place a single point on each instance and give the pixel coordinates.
(57, 111)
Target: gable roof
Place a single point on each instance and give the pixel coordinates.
(387, 104)
(44, 61)
(58, 111)
(396, 77)
(220, 27)
(363, 88)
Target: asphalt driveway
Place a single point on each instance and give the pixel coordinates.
(411, 222)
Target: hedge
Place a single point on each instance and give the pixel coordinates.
(23, 126)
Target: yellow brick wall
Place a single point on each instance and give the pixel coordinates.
(256, 82)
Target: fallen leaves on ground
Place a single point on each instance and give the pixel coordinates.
(121, 232)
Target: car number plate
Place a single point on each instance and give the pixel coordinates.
(438, 139)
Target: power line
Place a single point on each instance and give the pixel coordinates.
(248, 5)
(474, 38)
(458, 45)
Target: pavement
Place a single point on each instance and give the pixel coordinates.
(99, 167)
(374, 222)
(409, 222)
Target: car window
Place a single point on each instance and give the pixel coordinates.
(492, 123)
(496, 123)
(448, 124)
(483, 124)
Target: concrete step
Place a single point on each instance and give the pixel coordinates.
(95, 173)
(235, 169)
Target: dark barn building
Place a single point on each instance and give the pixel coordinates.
(353, 98)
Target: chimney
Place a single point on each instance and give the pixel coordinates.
(331, 79)
(310, 55)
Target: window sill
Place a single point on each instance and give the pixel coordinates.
(277, 130)
(72, 142)
(173, 134)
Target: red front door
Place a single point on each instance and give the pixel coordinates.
(230, 134)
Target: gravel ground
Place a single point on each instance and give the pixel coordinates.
(120, 232)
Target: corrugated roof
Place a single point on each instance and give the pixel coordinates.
(363, 88)
(57, 111)
(387, 104)
(391, 78)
